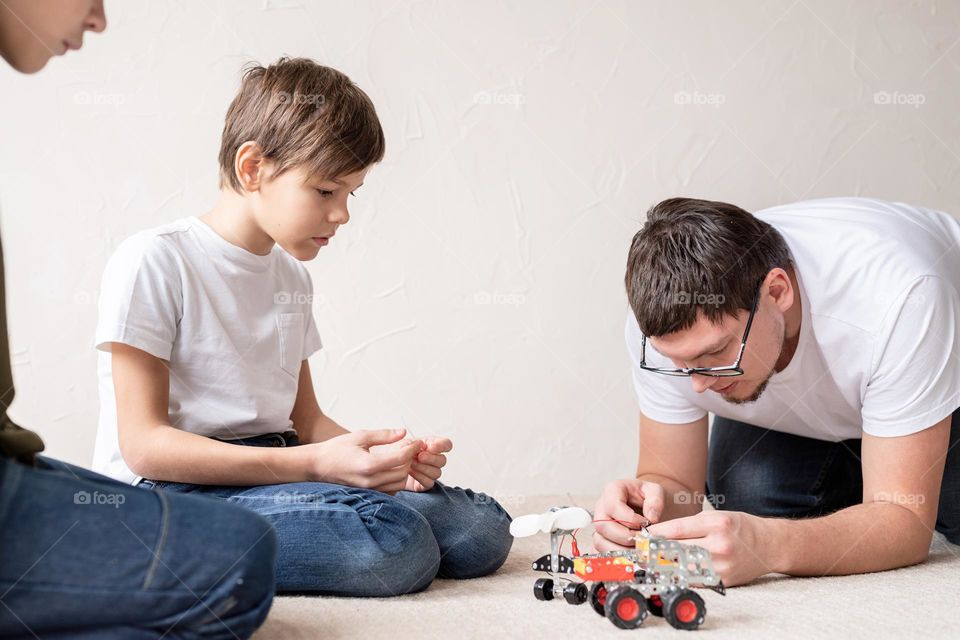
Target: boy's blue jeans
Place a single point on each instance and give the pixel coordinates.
(85, 556)
(340, 540)
(769, 473)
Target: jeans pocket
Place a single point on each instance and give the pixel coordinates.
(290, 332)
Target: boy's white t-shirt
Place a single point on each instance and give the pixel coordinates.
(879, 348)
(233, 327)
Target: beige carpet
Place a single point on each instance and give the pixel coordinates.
(916, 602)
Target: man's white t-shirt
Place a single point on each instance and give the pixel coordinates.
(233, 327)
(879, 348)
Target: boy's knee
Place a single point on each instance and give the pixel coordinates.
(485, 544)
(406, 556)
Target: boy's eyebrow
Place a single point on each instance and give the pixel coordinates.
(342, 183)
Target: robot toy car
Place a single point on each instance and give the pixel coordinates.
(624, 586)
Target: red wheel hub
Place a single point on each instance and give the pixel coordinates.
(627, 609)
(686, 610)
(602, 595)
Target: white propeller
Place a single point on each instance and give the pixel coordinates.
(566, 519)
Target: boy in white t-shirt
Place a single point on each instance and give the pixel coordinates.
(204, 333)
(825, 337)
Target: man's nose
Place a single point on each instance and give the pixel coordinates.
(702, 383)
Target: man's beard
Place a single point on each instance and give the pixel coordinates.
(763, 385)
(753, 396)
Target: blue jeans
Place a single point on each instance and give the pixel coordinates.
(769, 473)
(85, 556)
(345, 541)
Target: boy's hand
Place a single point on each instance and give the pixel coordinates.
(426, 467)
(359, 459)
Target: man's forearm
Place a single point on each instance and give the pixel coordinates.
(867, 537)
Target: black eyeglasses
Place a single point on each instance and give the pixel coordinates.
(713, 372)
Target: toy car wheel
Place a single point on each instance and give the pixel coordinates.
(685, 610)
(575, 593)
(626, 608)
(598, 598)
(655, 605)
(543, 589)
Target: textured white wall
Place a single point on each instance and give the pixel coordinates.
(477, 291)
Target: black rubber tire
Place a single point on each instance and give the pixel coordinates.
(543, 589)
(598, 598)
(575, 593)
(626, 608)
(655, 605)
(685, 610)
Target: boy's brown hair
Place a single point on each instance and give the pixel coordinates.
(301, 114)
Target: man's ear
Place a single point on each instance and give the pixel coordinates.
(780, 288)
(248, 165)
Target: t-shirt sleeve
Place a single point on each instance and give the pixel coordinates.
(311, 340)
(915, 380)
(658, 395)
(141, 297)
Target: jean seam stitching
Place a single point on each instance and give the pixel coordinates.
(823, 472)
(161, 543)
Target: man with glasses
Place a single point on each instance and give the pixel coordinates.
(825, 338)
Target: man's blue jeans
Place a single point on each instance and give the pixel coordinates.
(769, 473)
(85, 556)
(340, 540)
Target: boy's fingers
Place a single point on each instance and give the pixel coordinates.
(431, 472)
(439, 445)
(372, 437)
(422, 478)
(384, 478)
(432, 459)
(397, 456)
(393, 487)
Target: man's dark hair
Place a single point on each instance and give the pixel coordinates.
(694, 256)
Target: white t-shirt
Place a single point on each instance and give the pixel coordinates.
(233, 326)
(879, 348)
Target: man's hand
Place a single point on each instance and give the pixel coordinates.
(618, 505)
(737, 542)
(426, 467)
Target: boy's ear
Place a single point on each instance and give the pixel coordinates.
(249, 166)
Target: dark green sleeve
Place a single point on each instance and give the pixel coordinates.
(15, 441)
